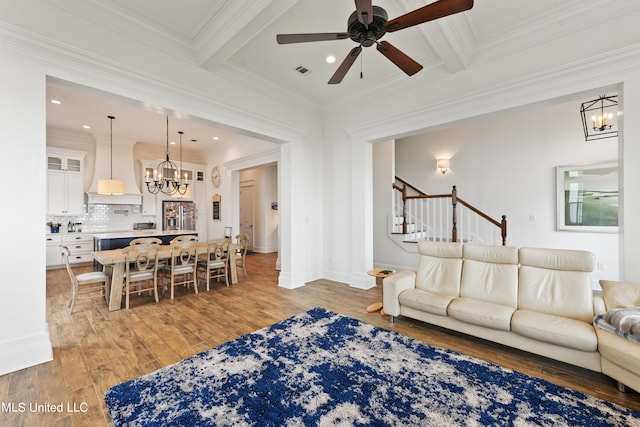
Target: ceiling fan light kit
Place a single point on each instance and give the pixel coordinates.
(370, 23)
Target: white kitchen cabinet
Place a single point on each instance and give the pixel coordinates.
(54, 254)
(80, 246)
(65, 194)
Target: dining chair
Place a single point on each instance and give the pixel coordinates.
(216, 263)
(241, 254)
(182, 267)
(90, 285)
(148, 241)
(145, 241)
(141, 267)
(184, 238)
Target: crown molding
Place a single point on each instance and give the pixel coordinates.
(604, 70)
(548, 27)
(67, 62)
(130, 25)
(233, 26)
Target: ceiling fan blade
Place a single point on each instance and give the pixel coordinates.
(310, 37)
(345, 66)
(435, 10)
(399, 58)
(364, 9)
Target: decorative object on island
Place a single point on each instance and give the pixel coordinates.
(443, 165)
(111, 187)
(601, 123)
(166, 178)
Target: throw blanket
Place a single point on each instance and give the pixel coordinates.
(621, 321)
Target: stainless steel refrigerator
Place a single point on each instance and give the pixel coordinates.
(178, 215)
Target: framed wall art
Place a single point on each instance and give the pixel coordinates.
(587, 197)
(216, 207)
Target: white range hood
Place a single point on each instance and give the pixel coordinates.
(123, 169)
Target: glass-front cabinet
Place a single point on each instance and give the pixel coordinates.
(65, 195)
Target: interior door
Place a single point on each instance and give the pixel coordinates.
(246, 211)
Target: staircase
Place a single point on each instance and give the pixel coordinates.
(441, 217)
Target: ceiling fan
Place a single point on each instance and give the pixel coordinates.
(369, 23)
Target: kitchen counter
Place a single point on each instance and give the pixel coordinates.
(141, 233)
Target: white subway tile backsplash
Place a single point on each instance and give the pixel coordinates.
(102, 218)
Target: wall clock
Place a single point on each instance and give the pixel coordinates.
(216, 176)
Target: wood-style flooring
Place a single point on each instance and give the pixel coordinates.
(95, 349)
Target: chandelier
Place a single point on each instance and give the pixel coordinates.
(166, 178)
(600, 124)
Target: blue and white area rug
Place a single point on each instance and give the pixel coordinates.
(321, 368)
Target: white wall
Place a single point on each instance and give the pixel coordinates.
(24, 334)
(505, 165)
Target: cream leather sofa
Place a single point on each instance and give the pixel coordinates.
(533, 299)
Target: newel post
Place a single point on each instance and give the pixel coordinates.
(454, 202)
(503, 230)
(404, 209)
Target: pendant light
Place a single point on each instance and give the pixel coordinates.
(111, 187)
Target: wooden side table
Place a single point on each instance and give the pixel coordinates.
(379, 274)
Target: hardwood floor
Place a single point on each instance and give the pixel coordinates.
(95, 349)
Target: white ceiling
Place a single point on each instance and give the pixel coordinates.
(237, 39)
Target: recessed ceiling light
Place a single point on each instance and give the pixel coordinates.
(86, 127)
(215, 138)
(331, 59)
(172, 142)
(55, 101)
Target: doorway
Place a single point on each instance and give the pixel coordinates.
(247, 190)
(258, 207)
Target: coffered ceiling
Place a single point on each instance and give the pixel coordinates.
(236, 39)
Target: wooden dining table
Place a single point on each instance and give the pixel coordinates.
(113, 261)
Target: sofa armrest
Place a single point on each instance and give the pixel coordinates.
(392, 286)
(599, 307)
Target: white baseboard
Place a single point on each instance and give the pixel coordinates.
(25, 352)
(264, 249)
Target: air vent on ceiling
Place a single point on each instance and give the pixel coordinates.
(302, 70)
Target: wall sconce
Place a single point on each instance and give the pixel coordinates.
(443, 165)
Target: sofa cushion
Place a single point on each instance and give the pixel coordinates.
(490, 273)
(624, 322)
(426, 301)
(440, 267)
(620, 294)
(557, 259)
(557, 330)
(487, 314)
(618, 350)
(556, 282)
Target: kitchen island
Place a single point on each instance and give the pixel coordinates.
(118, 240)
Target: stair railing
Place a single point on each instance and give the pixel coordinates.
(444, 217)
